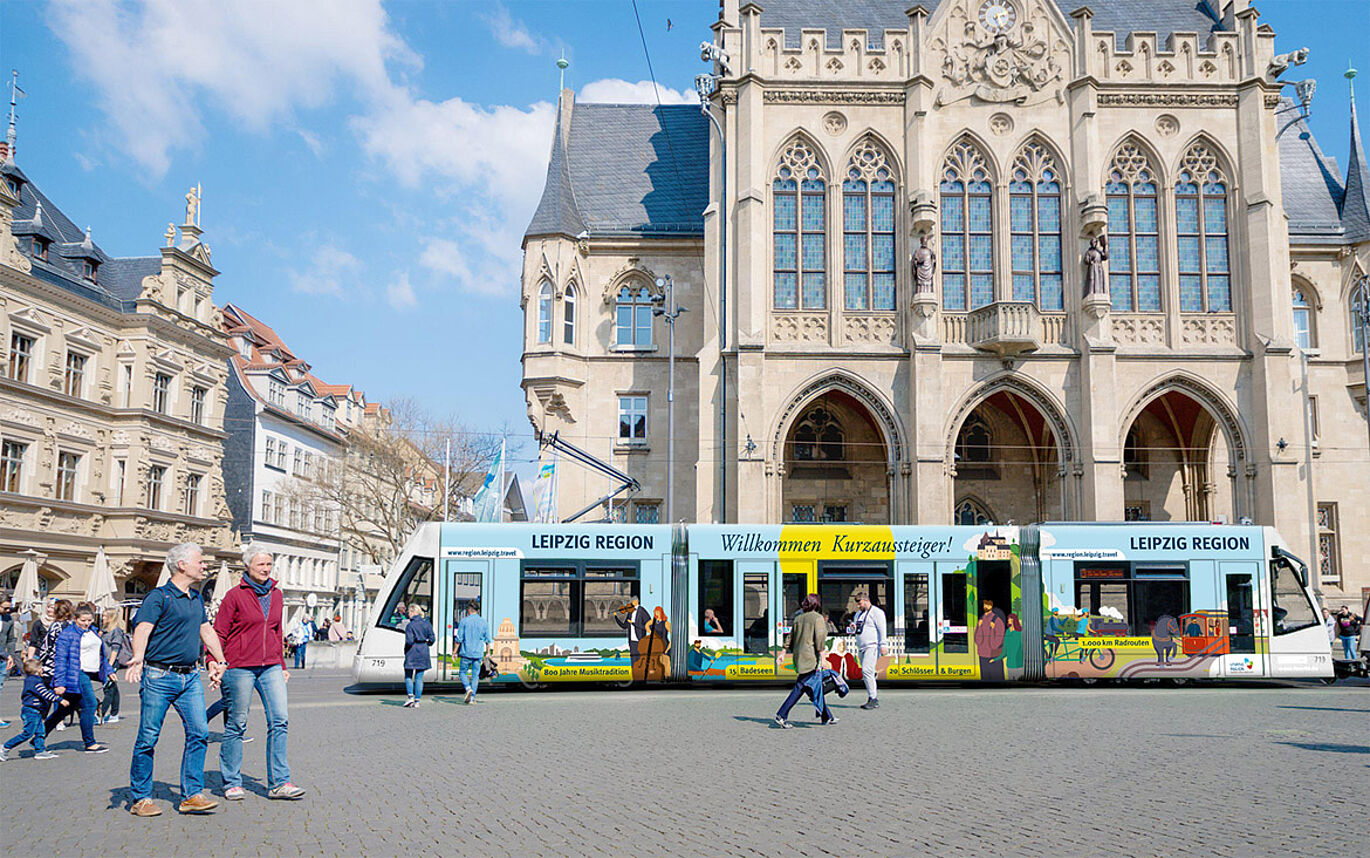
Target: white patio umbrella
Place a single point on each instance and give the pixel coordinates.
(26, 588)
(100, 589)
(165, 576)
(222, 584)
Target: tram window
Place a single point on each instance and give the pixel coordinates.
(839, 599)
(547, 609)
(574, 599)
(916, 612)
(602, 599)
(955, 638)
(716, 596)
(1241, 629)
(756, 614)
(1290, 608)
(793, 587)
(1152, 599)
(1100, 599)
(415, 587)
(465, 590)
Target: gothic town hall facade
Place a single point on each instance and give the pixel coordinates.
(974, 260)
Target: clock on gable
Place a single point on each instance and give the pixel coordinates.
(998, 16)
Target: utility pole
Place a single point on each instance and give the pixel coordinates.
(669, 311)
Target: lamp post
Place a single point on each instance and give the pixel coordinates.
(705, 86)
(669, 311)
(1304, 355)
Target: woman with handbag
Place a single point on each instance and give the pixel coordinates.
(807, 639)
(120, 647)
(418, 637)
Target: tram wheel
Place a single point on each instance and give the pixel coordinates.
(1179, 681)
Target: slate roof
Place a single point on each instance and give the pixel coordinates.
(1311, 181)
(626, 169)
(118, 280)
(1121, 17)
(1355, 209)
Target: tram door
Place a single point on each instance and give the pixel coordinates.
(840, 586)
(951, 595)
(756, 592)
(1238, 583)
(463, 582)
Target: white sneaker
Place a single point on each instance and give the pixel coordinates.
(4, 754)
(469, 694)
(61, 725)
(113, 719)
(247, 739)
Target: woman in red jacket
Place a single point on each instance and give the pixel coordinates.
(249, 625)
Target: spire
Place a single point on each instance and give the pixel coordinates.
(557, 212)
(1355, 208)
(7, 155)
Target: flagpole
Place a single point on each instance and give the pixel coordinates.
(446, 476)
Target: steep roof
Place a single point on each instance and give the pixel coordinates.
(1355, 208)
(626, 169)
(1121, 17)
(1310, 181)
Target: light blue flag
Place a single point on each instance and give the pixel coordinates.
(489, 501)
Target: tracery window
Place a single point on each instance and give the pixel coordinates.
(545, 313)
(1358, 294)
(819, 437)
(971, 512)
(868, 230)
(967, 223)
(974, 442)
(1134, 259)
(1303, 320)
(1035, 223)
(799, 230)
(633, 316)
(1201, 225)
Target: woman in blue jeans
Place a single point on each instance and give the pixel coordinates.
(249, 625)
(418, 636)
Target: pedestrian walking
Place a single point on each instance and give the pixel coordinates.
(418, 636)
(79, 662)
(120, 648)
(11, 652)
(808, 635)
(33, 707)
(473, 639)
(1348, 629)
(870, 629)
(46, 648)
(301, 636)
(168, 632)
(338, 631)
(249, 627)
(38, 629)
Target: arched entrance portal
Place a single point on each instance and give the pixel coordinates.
(1007, 464)
(1174, 463)
(836, 464)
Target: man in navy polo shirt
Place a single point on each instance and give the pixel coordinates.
(168, 631)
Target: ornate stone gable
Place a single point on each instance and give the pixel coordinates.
(1000, 51)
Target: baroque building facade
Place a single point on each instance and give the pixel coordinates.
(982, 260)
(112, 390)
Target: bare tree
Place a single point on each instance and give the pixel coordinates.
(391, 479)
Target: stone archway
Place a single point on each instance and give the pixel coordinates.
(836, 463)
(1175, 458)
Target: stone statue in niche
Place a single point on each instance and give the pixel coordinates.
(924, 266)
(1096, 266)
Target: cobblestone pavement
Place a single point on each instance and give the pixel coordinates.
(1132, 771)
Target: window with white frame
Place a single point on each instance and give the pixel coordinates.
(268, 510)
(297, 462)
(1359, 313)
(120, 476)
(633, 316)
(68, 465)
(1304, 336)
(632, 419)
(74, 374)
(193, 494)
(301, 404)
(568, 316)
(1329, 544)
(276, 393)
(279, 516)
(545, 313)
(270, 452)
(12, 466)
(21, 356)
(161, 392)
(126, 384)
(197, 404)
(156, 478)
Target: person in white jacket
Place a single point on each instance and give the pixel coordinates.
(869, 627)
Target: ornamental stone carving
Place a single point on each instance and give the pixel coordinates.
(1167, 99)
(1208, 331)
(870, 329)
(832, 96)
(1019, 64)
(800, 328)
(1138, 330)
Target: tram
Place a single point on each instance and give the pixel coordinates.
(704, 604)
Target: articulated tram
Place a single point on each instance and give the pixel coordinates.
(623, 604)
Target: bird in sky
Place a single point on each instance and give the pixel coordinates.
(669, 25)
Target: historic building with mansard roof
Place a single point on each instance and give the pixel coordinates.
(982, 260)
(112, 393)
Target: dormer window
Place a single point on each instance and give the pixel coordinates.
(38, 247)
(245, 348)
(88, 269)
(13, 185)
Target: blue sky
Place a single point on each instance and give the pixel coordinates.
(368, 168)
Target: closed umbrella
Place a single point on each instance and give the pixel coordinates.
(26, 588)
(222, 584)
(100, 589)
(165, 576)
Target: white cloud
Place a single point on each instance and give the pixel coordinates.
(615, 91)
(332, 269)
(511, 33)
(312, 141)
(153, 61)
(400, 293)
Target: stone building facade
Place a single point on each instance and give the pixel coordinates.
(912, 326)
(112, 375)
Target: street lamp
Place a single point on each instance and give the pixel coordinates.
(706, 85)
(1306, 354)
(669, 311)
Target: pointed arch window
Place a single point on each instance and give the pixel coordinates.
(971, 512)
(974, 443)
(568, 322)
(545, 313)
(819, 437)
(1035, 222)
(1358, 312)
(799, 230)
(1201, 225)
(1134, 257)
(868, 230)
(633, 316)
(1304, 335)
(967, 225)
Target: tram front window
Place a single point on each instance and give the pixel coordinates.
(1291, 609)
(415, 588)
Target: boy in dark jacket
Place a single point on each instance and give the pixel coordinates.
(34, 703)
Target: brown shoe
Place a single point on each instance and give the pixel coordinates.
(145, 807)
(198, 804)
